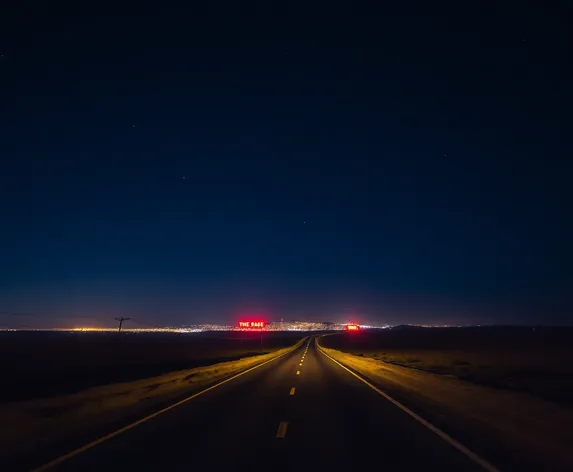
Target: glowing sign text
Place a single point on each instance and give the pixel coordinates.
(251, 324)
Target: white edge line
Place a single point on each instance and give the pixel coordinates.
(96, 442)
(446, 437)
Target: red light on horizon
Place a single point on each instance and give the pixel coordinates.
(352, 327)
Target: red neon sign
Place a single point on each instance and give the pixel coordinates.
(352, 327)
(251, 324)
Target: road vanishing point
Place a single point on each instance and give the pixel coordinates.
(300, 411)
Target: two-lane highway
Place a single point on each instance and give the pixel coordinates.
(299, 412)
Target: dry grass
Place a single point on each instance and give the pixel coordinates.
(538, 362)
(65, 415)
(541, 374)
(519, 421)
(44, 364)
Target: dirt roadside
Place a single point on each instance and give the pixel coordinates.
(515, 424)
(30, 424)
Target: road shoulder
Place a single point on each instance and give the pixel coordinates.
(40, 423)
(508, 428)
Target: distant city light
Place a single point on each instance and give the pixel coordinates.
(243, 325)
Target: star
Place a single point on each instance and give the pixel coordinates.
(184, 177)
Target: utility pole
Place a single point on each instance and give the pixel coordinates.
(121, 320)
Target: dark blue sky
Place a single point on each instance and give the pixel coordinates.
(407, 164)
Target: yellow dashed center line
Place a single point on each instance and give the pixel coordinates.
(281, 431)
(292, 391)
(96, 442)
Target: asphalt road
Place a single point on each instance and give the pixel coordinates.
(328, 418)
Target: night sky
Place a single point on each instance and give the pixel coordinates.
(410, 164)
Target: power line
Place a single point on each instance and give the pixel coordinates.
(15, 313)
(146, 324)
